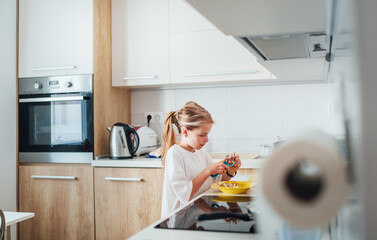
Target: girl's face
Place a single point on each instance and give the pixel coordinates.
(197, 137)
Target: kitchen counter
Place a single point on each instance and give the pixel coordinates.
(152, 233)
(136, 162)
(248, 161)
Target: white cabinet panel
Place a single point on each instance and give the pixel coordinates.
(55, 37)
(184, 18)
(210, 56)
(140, 42)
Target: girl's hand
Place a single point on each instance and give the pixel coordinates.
(218, 167)
(237, 163)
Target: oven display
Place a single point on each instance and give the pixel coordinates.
(53, 83)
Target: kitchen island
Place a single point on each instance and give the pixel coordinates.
(182, 225)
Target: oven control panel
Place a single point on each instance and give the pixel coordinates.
(55, 84)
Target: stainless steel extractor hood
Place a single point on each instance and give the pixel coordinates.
(287, 46)
(276, 32)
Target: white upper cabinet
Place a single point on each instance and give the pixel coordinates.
(200, 53)
(140, 42)
(183, 18)
(167, 42)
(55, 37)
(210, 56)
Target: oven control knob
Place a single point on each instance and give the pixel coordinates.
(68, 84)
(38, 85)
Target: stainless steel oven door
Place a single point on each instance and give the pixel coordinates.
(56, 128)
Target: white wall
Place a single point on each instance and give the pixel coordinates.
(8, 163)
(246, 116)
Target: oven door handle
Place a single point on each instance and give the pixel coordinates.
(51, 99)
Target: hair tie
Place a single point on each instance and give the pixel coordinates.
(174, 118)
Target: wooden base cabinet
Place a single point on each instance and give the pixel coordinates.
(247, 171)
(62, 199)
(126, 200)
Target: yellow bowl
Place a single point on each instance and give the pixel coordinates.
(242, 186)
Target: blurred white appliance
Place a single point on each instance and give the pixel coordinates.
(148, 140)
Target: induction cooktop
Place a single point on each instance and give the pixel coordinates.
(215, 213)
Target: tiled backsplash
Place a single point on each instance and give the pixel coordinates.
(247, 116)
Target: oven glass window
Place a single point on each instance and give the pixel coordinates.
(56, 126)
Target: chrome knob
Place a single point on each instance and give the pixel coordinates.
(68, 84)
(38, 85)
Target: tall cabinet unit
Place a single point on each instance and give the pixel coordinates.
(140, 43)
(55, 37)
(64, 37)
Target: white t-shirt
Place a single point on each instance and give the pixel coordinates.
(181, 167)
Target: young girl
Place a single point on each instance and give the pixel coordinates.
(188, 167)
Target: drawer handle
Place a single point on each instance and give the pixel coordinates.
(53, 68)
(217, 73)
(54, 177)
(140, 77)
(124, 179)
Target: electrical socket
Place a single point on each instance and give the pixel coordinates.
(156, 117)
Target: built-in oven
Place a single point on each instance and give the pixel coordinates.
(56, 119)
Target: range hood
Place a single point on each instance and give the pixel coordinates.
(287, 46)
(290, 38)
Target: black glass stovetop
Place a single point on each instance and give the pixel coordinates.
(215, 213)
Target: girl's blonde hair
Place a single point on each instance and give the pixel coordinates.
(191, 116)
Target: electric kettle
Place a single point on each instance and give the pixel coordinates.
(266, 150)
(124, 141)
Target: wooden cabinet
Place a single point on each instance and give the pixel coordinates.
(62, 199)
(126, 200)
(247, 171)
(55, 37)
(140, 42)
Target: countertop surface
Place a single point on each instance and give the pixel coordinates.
(152, 233)
(249, 160)
(15, 217)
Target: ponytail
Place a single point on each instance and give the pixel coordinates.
(168, 134)
(191, 116)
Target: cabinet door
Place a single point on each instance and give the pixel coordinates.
(210, 56)
(64, 208)
(140, 42)
(247, 171)
(125, 205)
(55, 37)
(184, 18)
